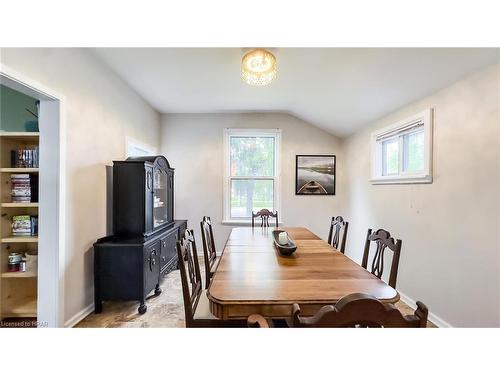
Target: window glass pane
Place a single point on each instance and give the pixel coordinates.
(414, 151)
(248, 195)
(160, 214)
(252, 156)
(390, 157)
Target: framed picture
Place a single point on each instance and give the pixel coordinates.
(315, 175)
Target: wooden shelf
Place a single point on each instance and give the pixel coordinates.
(19, 134)
(25, 307)
(19, 170)
(19, 239)
(18, 275)
(20, 204)
(18, 289)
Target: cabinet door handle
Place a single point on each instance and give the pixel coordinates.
(152, 260)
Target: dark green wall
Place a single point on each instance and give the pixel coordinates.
(12, 109)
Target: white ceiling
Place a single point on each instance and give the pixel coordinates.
(337, 89)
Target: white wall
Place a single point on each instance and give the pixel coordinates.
(193, 144)
(450, 257)
(101, 112)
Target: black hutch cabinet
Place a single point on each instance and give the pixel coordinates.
(129, 264)
(143, 196)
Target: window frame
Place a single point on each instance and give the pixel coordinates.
(231, 132)
(397, 131)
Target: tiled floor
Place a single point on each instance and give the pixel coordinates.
(166, 310)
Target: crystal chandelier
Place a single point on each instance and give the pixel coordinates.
(258, 67)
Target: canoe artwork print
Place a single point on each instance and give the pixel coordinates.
(315, 175)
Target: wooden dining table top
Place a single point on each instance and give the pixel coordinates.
(252, 277)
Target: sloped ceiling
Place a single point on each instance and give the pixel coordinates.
(337, 89)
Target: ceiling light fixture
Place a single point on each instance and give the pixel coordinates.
(258, 67)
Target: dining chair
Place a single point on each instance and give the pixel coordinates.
(264, 215)
(383, 240)
(257, 321)
(209, 254)
(338, 228)
(359, 310)
(196, 303)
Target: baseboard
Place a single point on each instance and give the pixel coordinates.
(79, 316)
(436, 320)
(441, 323)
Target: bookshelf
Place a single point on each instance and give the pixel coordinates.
(17, 275)
(18, 205)
(18, 290)
(19, 239)
(19, 170)
(20, 135)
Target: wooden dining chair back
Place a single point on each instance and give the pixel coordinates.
(190, 274)
(264, 215)
(257, 321)
(359, 310)
(196, 304)
(383, 240)
(209, 253)
(338, 233)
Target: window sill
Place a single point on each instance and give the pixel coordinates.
(395, 180)
(243, 223)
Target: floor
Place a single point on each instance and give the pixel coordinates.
(164, 311)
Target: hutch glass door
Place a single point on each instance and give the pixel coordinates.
(159, 198)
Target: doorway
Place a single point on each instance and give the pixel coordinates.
(51, 188)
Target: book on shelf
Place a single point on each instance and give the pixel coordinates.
(24, 158)
(20, 188)
(21, 225)
(25, 225)
(24, 188)
(34, 225)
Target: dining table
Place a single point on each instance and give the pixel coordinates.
(252, 277)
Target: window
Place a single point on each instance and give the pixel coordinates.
(251, 172)
(402, 152)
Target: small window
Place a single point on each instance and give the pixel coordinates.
(402, 152)
(251, 173)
